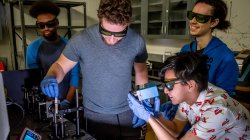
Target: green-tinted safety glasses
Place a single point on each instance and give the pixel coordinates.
(199, 17)
(170, 84)
(116, 34)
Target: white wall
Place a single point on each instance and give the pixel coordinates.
(238, 37)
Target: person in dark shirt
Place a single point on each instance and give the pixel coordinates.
(45, 50)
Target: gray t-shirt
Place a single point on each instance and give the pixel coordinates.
(106, 70)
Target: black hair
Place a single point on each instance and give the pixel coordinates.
(42, 7)
(220, 11)
(188, 66)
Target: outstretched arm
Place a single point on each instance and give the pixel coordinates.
(166, 129)
(60, 68)
(55, 75)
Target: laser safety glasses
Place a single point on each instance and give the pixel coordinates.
(170, 84)
(49, 24)
(116, 34)
(199, 17)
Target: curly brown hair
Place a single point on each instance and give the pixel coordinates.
(115, 11)
(42, 7)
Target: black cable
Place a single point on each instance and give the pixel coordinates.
(13, 123)
(86, 120)
(120, 129)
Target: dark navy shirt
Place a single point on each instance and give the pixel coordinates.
(42, 54)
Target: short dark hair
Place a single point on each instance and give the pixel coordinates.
(220, 11)
(188, 66)
(42, 7)
(115, 11)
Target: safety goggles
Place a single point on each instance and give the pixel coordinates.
(170, 84)
(116, 34)
(199, 17)
(49, 24)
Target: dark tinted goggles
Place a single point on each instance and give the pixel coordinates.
(199, 17)
(116, 34)
(170, 84)
(49, 24)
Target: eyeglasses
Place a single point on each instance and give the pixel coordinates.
(170, 84)
(49, 24)
(116, 34)
(199, 17)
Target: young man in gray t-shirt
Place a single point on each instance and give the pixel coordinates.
(107, 53)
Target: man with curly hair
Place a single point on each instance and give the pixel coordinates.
(107, 53)
(45, 50)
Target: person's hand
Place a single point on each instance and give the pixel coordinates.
(153, 108)
(169, 110)
(65, 104)
(49, 86)
(138, 108)
(137, 122)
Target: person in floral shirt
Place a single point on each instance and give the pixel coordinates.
(212, 113)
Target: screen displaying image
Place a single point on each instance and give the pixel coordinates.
(30, 135)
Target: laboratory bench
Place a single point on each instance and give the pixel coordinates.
(19, 120)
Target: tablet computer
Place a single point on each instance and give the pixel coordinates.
(29, 134)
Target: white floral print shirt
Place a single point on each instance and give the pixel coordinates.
(216, 116)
